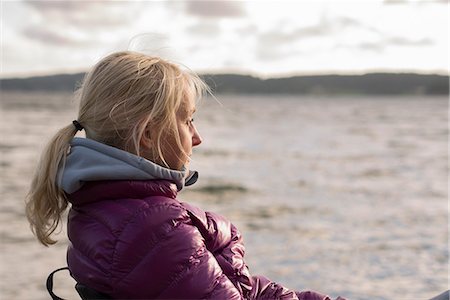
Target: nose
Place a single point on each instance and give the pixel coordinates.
(196, 138)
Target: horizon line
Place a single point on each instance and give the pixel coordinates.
(252, 74)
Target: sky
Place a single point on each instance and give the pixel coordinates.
(262, 38)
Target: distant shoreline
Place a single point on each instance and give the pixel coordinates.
(367, 84)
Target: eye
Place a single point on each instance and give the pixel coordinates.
(190, 121)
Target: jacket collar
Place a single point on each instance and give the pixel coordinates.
(90, 160)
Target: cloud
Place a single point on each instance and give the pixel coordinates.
(367, 46)
(46, 36)
(209, 28)
(250, 29)
(275, 53)
(60, 5)
(78, 23)
(324, 27)
(276, 43)
(402, 41)
(415, 1)
(278, 37)
(281, 43)
(387, 42)
(86, 14)
(215, 9)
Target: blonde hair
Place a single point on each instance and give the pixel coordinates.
(124, 95)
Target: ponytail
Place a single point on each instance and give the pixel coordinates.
(46, 202)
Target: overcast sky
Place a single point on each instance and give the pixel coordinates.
(267, 38)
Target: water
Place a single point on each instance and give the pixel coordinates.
(345, 195)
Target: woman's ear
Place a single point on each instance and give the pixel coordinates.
(146, 141)
(147, 146)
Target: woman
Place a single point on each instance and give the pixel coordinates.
(130, 237)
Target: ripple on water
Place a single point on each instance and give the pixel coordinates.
(221, 188)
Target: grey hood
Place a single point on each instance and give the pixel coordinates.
(89, 160)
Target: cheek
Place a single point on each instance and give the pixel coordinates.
(186, 138)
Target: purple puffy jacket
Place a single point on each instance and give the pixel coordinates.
(134, 240)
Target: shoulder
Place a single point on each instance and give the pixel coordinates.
(152, 219)
(120, 215)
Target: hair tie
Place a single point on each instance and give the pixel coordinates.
(77, 125)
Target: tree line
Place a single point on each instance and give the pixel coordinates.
(371, 84)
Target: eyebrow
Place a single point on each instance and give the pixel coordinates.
(186, 112)
(191, 111)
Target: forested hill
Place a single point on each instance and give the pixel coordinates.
(371, 84)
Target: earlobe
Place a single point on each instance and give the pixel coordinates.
(147, 147)
(146, 141)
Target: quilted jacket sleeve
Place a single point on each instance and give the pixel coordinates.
(225, 242)
(264, 288)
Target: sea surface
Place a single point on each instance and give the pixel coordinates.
(343, 195)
